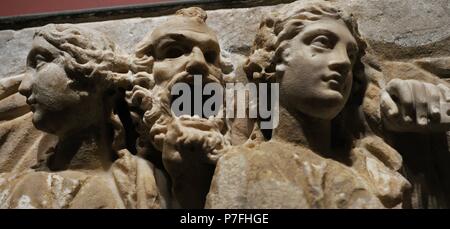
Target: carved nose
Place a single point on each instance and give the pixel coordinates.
(341, 63)
(25, 86)
(197, 64)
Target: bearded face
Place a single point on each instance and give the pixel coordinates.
(182, 49)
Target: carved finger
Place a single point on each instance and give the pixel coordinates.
(388, 106)
(420, 102)
(445, 92)
(433, 95)
(401, 93)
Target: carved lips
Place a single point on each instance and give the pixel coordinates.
(335, 81)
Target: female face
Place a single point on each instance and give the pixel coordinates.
(318, 69)
(56, 107)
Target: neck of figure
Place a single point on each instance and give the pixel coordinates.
(85, 149)
(298, 128)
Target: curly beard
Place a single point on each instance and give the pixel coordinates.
(203, 140)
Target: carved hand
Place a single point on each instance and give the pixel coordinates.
(201, 146)
(189, 156)
(415, 106)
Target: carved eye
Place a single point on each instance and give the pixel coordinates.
(174, 52)
(40, 61)
(211, 57)
(322, 41)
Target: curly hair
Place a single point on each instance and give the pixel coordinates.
(142, 61)
(275, 32)
(94, 63)
(272, 40)
(88, 55)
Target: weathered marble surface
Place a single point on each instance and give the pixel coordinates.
(407, 40)
(396, 29)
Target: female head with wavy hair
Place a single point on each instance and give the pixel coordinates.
(315, 54)
(75, 80)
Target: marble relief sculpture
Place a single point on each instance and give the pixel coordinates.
(88, 126)
(317, 164)
(74, 85)
(322, 155)
(177, 51)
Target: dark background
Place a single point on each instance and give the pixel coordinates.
(19, 14)
(24, 7)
